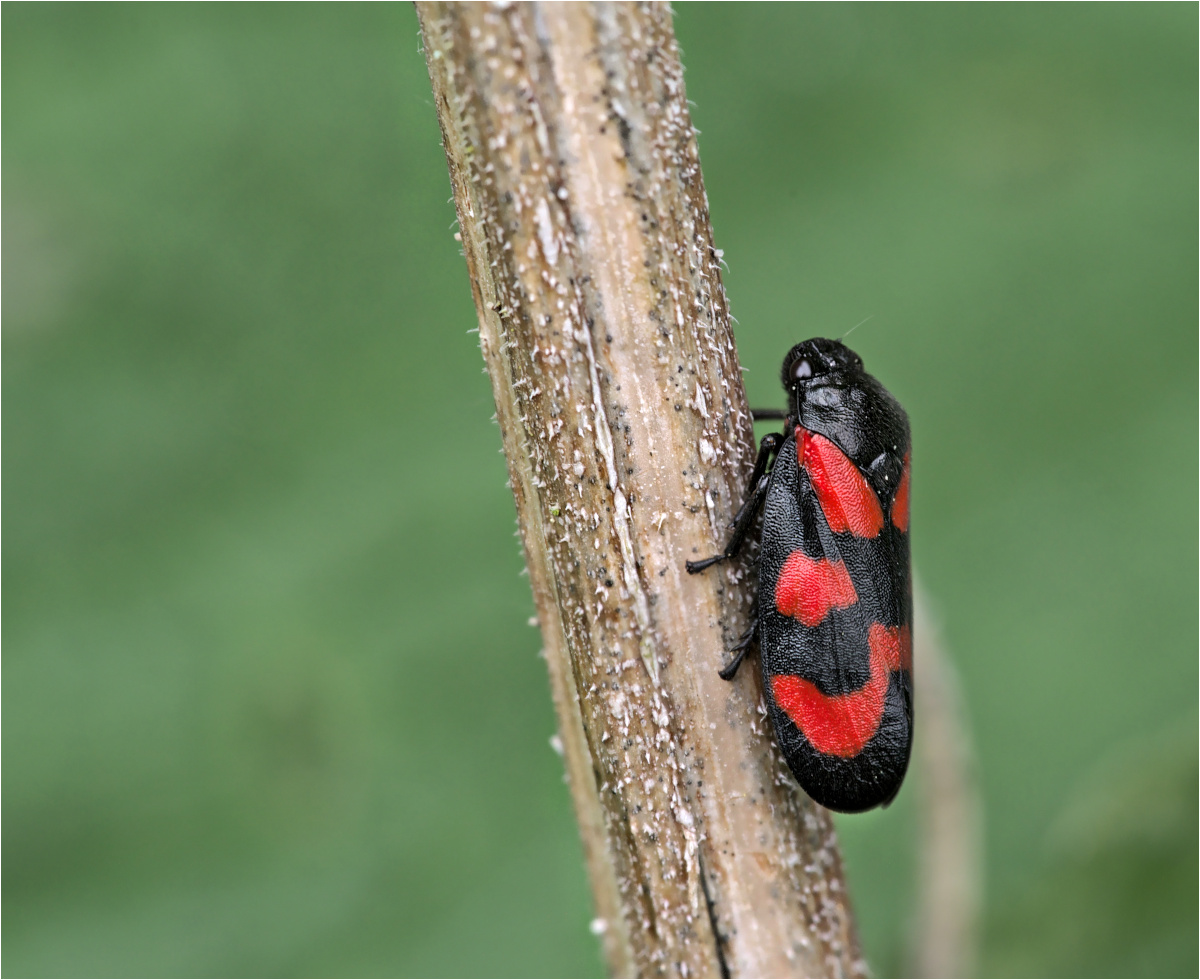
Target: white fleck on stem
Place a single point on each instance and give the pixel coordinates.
(629, 569)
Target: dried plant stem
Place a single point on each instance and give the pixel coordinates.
(603, 323)
(950, 885)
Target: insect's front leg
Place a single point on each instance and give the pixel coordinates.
(745, 517)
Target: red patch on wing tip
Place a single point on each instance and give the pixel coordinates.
(900, 503)
(808, 588)
(843, 724)
(846, 498)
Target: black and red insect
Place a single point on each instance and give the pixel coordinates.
(833, 613)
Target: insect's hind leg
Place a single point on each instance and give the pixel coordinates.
(741, 648)
(745, 517)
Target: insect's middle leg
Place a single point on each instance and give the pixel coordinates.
(741, 648)
(745, 517)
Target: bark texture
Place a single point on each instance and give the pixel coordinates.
(603, 323)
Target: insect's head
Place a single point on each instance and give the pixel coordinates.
(818, 360)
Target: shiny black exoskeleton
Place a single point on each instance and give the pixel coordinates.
(833, 611)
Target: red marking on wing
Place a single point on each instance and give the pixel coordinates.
(808, 588)
(843, 724)
(904, 641)
(846, 498)
(900, 503)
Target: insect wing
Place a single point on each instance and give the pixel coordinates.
(834, 609)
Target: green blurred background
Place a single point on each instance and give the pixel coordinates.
(271, 705)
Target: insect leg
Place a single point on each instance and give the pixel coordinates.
(761, 414)
(741, 649)
(745, 517)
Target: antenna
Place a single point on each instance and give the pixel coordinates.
(855, 327)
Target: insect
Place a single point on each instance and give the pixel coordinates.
(833, 612)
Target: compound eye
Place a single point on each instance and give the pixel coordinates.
(801, 370)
